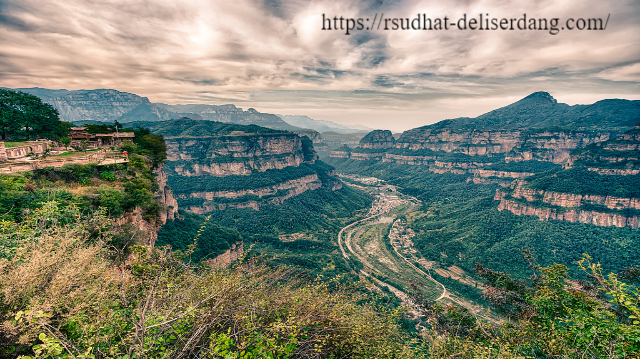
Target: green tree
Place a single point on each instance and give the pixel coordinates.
(66, 141)
(155, 145)
(26, 117)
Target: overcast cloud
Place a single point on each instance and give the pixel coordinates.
(272, 55)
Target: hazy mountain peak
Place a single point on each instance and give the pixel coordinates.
(540, 96)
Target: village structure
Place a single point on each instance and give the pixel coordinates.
(16, 158)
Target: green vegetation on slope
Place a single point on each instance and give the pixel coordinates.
(579, 180)
(268, 178)
(185, 127)
(118, 188)
(211, 238)
(317, 215)
(65, 293)
(462, 226)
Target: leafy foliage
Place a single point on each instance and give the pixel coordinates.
(211, 238)
(62, 294)
(26, 117)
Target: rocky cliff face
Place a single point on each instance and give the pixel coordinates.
(614, 211)
(243, 169)
(498, 146)
(378, 139)
(234, 155)
(582, 216)
(228, 257)
(165, 196)
(553, 146)
(149, 230)
(617, 156)
(469, 142)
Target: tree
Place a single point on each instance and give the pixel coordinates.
(26, 117)
(66, 141)
(156, 147)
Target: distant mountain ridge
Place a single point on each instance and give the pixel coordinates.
(541, 110)
(534, 130)
(107, 105)
(321, 125)
(582, 161)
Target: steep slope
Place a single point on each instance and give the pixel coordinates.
(529, 136)
(601, 186)
(213, 165)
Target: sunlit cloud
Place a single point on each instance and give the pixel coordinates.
(274, 56)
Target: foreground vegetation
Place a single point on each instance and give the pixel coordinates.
(67, 292)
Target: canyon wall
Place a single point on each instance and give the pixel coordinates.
(234, 155)
(244, 170)
(613, 211)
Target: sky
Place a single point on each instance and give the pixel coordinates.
(273, 55)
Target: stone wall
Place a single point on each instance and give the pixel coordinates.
(14, 153)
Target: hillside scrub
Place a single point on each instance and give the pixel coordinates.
(67, 291)
(548, 316)
(119, 188)
(64, 292)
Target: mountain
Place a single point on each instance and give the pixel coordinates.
(529, 136)
(321, 125)
(557, 179)
(99, 105)
(232, 114)
(105, 105)
(600, 185)
(541, 110)
(214, 165)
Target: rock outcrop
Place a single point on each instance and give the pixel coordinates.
(614, 211)
(583, 216)
(241, 167)
(228, 257)
(165, 196)
(235, 155)
(378, 139)
(149, 230)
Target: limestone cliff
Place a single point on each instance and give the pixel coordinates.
(234, 155)
(573, 215)
(241, 166)
(583, 208)
(165, 196)
(149, 230)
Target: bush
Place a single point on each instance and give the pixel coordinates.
(62, 294)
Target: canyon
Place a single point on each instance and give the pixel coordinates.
(527, 138)
(213, 166)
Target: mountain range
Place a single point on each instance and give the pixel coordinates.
(541, 110)
(107, 105)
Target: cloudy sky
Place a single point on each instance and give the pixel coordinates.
(274, 56)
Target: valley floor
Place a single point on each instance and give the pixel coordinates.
(378, 248)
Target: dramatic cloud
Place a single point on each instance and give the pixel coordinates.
(273, 55)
